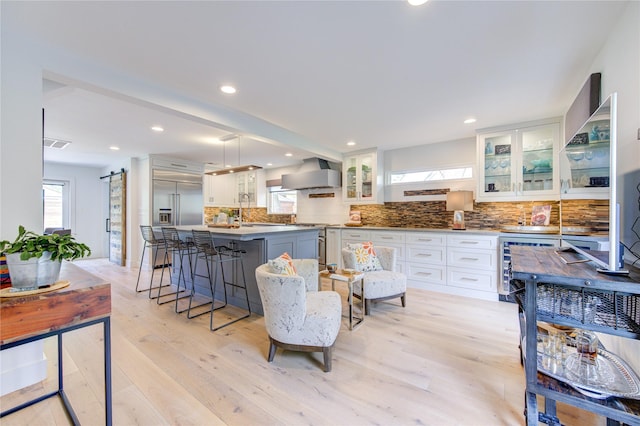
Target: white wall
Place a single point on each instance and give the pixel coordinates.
(458, 153)
(86, 195)
(20, 138)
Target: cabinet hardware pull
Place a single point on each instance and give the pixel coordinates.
(424, 273)
(469, 258)
(424, 255)
(178, 165)
(468, 279)
(469, 242)
(425, 239)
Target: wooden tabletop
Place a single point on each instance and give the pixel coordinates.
(87, 298)
(546, 264)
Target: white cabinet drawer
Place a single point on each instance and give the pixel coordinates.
(360, 236)
(426, 254)
(427, 238)
(477, 259)
(472, 241)
(382, 237)
(472, 279)
(427, 273)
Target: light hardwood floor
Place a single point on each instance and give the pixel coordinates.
(442, 360)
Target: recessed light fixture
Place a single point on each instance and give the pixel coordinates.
(469, 120)
(288, 154)
(157, 129)
(114, 148)
(416, 2)
(269, 164)
(351, 143)
(229, 90)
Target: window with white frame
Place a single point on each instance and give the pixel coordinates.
(55, 198)
(281, 201)
(431, 175)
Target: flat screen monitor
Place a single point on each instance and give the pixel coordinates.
(588, 168)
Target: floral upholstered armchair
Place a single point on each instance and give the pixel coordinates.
(297, 316)
(381, 281)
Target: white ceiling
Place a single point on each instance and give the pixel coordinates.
(381, 73)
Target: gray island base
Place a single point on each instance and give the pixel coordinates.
(261, 243)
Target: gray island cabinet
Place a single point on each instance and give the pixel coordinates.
(261, 243)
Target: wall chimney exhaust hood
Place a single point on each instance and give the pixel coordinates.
(314, 173)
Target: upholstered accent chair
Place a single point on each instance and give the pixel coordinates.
(296, 315)
(379, 285)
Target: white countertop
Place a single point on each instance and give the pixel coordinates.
(248, 231)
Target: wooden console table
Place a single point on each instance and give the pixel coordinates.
(539, 273)
(85, 302)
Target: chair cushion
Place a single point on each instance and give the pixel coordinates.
(366, 259)
(282, 265)
(382, 284)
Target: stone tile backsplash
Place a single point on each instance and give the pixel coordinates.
(433, 214)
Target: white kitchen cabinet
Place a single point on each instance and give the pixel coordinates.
(363, 178)
(519, 162)
(458, 263)
(333, 246)
(219, 190)
(176, 165)
(426, 259)
(254, 184)
(395, 239)
(225, 190)
(585, 162)
(472, 264)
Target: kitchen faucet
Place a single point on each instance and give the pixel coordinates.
(241, 197)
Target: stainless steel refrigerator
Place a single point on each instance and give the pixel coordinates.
(177, 200)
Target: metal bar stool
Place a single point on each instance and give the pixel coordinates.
(174, 245)
(150, 241)
(205, 250)
(231, 255)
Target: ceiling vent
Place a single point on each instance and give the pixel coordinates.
(55, 143)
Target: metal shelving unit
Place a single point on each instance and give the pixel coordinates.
(548, 290)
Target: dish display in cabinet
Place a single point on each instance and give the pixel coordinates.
(363, 178)
(585, 160)
(518, 162)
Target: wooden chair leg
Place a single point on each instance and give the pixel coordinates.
(327, 358)
(404, 300)
(367, 306)
(272, 351)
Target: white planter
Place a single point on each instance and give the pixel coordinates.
(33, 273)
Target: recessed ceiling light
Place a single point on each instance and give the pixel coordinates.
(288, 154)
(351, 143)
(269, 164)
(469, 120)
(416, 2)
(157, 129)
(114, 148)
(228, 89)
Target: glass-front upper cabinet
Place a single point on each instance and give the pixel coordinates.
(519, 163)
(586, 160)
(362, 178)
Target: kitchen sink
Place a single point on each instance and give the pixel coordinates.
(531, 229)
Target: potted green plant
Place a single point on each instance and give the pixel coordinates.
(34, 259)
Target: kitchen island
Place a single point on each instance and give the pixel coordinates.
(261, 243)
